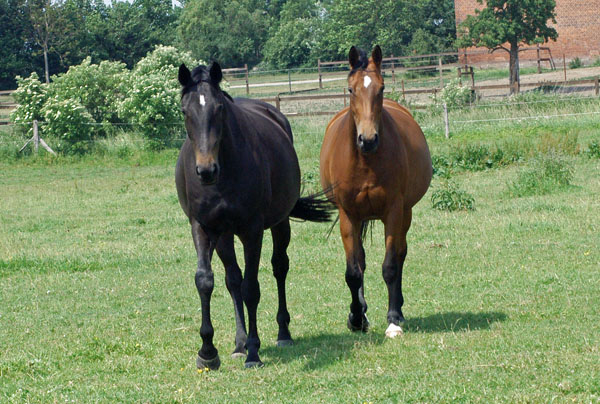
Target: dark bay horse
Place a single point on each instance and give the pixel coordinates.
(238, 174)
(375, 164)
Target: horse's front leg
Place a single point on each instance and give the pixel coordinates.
(208, 356)
(252, 241)
(355, 268)
(233, 281)
(396, 224)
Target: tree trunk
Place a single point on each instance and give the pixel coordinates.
(46, 62)
(514, 66)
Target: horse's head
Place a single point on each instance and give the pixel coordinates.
(365, 84)
(203, 104)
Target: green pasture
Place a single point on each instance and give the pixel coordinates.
(98, 302)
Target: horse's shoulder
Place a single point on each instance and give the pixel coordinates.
(337, 116)
(391, 105)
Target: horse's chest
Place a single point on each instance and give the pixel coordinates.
(217, 214)
(366, 202)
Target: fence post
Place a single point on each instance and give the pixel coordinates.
(393, 71)
(565, 66)
(290, 80)
(539, 63)
(247, 84)
(319, 68)
(403, 95)
(278, 102)
(36, 136)
(597, 85)
(441, 72)
(446, 122)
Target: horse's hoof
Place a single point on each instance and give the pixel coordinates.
(393, 331)
(212, 364)
(364, 326)
(254, 364)
(285, 342)
(237, 355)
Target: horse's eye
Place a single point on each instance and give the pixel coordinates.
(183, 111)
(382, 88)
(350, 90)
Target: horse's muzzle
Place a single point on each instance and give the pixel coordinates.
(208, 174)
(368, 145)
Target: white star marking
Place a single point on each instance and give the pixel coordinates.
(202, 100)
(367, 82)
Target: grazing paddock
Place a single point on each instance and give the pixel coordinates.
(98, 302)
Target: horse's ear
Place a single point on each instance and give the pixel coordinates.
(353, 58)
(216, 75)
(184, 75)
(376, 56)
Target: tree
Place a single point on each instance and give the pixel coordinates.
(15, 52)
(232, 32)
(45, 19)
(512, 22)
(293, 41)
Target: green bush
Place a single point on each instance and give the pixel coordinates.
(30, 96)
(67, 125)
(593, 150)
(152, 104)
(97, 87)
(448, 196)
(575, 63)
(544, 174)
(454, 94)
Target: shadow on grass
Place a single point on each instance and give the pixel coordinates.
(323, 350)
(454, 322)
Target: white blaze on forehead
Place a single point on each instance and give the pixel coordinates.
(367, 82)
(202, 100)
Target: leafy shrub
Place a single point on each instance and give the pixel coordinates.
(593, 150)
(97, 87)
(448, 196)
(152, 103)
(455, 94)
(67, 123)
(545, 174)
(30, 96)
(575, 63)
(596, 62)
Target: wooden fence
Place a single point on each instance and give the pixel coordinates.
(6, 106)
(279, 99)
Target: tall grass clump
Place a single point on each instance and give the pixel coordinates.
(543, 175)
(449, 196)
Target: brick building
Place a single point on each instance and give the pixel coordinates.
(577, 24)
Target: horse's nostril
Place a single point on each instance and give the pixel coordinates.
(360, 138)
(198, 170)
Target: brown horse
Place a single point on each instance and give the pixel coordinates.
(375, 164)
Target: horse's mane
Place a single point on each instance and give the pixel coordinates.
(201, 73)
(363, 62)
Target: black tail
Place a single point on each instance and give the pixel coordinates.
(314, 208)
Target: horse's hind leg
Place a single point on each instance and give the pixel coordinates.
(396, 227)
(208, 355)
(233, 280)
(281, 264)
(355, 267)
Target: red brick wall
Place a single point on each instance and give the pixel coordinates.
(577, 23)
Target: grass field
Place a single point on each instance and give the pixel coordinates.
(98, 302)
